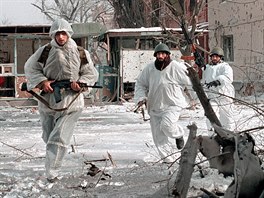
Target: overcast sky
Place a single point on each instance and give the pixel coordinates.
(20, 12)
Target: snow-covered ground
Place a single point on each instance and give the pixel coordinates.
(103, 132)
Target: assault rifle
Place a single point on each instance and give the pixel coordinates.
(57, 86)
(199, 60)
(66, 84)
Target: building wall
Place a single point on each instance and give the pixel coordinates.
(25, 48)
(130, 69)
(245, 21)
(13, 74)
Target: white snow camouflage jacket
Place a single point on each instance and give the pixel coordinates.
(63, 63)
(165, 88)
(222, 72)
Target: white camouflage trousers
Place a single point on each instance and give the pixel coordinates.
(164, 126)
(57, 134)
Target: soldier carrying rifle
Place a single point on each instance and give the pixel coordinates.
(59, 60)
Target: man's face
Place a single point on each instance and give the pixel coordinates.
(161, 56)
(215, 59)
(61, 38)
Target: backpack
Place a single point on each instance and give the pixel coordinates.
(45, 54)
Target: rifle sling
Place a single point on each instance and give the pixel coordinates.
(42, 100)
(45, 53)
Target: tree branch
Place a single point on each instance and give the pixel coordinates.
(17, 149)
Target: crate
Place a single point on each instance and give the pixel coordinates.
(6, 69)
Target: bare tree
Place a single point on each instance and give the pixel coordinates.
(75, 11)
(129, 13)
(162, 13)
(186, 14)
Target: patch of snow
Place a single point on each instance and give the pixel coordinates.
(100, 131)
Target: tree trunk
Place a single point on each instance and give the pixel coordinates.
(209, 111)
(186, 166)
(197, 87)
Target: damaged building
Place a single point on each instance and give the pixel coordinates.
(128, 50)
(119, 56)
(17, 44)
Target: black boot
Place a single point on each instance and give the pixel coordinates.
(179, 142)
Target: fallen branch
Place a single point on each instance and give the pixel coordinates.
(163, 158)
(17, 149)
(251, 130)
(210, 194)
(96, 160)
(111, 159)
(207, 159)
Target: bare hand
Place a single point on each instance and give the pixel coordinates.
(45, 86)
(75, 86)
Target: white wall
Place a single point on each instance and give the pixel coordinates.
(133, 62)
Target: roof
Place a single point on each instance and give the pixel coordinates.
(150, 31)
(42, 31)
(201, 27)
